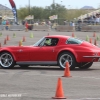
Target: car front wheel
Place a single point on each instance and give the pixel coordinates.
(64, 57)
(6, 60)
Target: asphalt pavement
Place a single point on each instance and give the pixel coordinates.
(40, 82)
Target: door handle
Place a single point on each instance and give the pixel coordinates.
(53, 50)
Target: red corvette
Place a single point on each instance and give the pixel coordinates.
(51, 50)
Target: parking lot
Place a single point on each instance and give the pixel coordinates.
(40, 82)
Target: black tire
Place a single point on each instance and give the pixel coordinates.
(70, 58)
(85, 65)
(6, 60)
(24, 66)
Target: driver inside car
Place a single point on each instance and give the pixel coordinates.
(47, 42)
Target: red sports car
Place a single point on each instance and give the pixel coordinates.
(51, 50)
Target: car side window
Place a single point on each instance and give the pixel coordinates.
(49, 42)
(74, 41)
(54, 42)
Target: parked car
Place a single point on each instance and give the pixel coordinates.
(54, 50)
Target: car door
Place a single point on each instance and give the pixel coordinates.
(22, 53)
(45, 51)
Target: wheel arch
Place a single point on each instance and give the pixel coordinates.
(66, 51)
(8, 52)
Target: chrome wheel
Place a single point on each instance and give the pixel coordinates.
(66, 57)
(6, 60)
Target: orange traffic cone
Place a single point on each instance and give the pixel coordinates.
(7, 38)
(73, 35)
(67, 70)
(5, 42)
(20, 43)
(59, 91)
(90, 40)
(24, 39)
(94, 35)
(95, 42)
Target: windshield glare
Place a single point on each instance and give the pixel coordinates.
(37, 43)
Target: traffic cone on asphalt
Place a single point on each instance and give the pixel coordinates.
(95, 42)
(20, 43)
(31, 35)
(5, 42)
(73, 35)
(59, 91)
(94, 35)
(0, 34)
(14, 35)
(98, 38)
(0, 44)
(67, 70)
(87, 38)
(24, 39)
(7, 38)
(90, 40)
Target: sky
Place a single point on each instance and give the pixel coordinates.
(70, 4)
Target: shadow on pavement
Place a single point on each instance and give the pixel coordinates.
(48, 68)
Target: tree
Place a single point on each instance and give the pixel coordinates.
(53, 9)
(57, 9)
(37, 12)
(23, 12)
(43, 13)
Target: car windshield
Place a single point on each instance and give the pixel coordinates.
(37, 43)
(74, 41)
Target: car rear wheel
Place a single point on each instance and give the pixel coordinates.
(6, 60)
(64, 57)
(85, 65)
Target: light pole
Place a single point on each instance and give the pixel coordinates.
(61, 2)
(53, 5)
(53, 1)
(29, 7)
